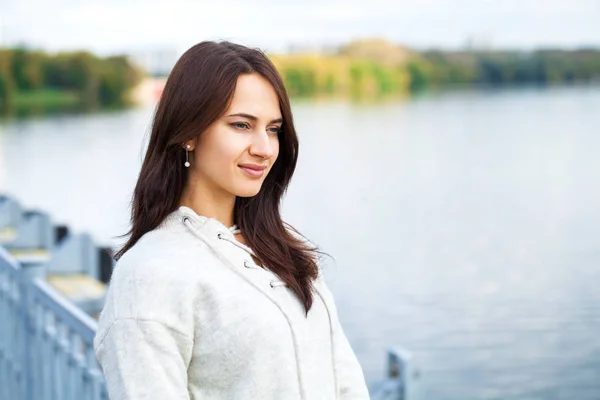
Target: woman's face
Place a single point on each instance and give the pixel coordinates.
(235, 154)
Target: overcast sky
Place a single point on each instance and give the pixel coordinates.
(122, 25)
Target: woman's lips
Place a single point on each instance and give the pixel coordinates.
(254, 170)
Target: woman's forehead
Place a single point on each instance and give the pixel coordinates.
(255, 96)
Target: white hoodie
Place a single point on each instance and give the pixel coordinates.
(189, 315)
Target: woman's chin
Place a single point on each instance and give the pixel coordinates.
(248, 190)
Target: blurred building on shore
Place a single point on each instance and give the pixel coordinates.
(157, 61)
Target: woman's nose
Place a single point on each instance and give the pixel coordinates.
(262, 145)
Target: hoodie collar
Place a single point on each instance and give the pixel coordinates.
(207, 227)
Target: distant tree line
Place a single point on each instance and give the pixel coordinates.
(313, 76)
(376, 67)
(89, 80)
(504, 67)
(360, 69)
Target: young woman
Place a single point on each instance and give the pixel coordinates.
(213, 295)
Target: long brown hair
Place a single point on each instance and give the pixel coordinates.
(197, 93)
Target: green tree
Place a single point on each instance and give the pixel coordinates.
(27, 69)
(6, 81)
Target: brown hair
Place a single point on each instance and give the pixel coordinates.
(197, 93)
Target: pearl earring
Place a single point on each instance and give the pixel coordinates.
(187, 162)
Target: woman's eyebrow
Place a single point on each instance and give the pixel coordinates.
(253, 118)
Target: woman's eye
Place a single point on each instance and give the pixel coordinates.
(276, 130)
(241, 125)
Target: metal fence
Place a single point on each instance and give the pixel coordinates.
(46, 342)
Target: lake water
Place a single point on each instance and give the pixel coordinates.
(465, 226)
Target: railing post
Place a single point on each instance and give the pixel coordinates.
(402, 369)
(24, 296)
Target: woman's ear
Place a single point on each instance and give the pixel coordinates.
(190, 145)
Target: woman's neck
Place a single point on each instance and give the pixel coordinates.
(211, 206)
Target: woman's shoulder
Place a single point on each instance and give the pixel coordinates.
(157, 279)
(163, 248)
(161, 261)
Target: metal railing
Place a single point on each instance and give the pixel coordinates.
(46, 342)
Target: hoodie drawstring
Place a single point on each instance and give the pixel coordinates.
(273, 284)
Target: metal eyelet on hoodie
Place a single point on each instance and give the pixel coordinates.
(275, 284)
(251, 265)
